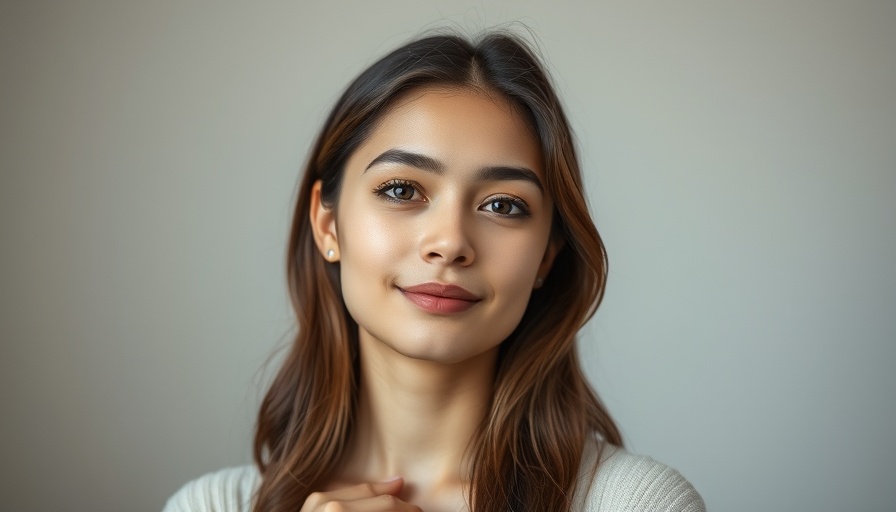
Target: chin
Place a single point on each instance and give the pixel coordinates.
(439, 351)
(434, 352)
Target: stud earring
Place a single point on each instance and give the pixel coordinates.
(330, 254)
(539, 281)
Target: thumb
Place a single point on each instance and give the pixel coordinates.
(391, 486)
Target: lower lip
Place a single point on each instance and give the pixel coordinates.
(436, 304)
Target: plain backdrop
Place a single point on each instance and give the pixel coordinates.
(740, 161)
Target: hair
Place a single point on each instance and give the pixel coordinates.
(528, 449)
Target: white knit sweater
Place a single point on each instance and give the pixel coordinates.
(624, 482)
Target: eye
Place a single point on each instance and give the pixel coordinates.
(397, 190)
(507, 207)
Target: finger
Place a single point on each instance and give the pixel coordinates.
(355, 492)
(381, 503)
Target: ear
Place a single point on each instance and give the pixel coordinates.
(555, 243)
(323, 224)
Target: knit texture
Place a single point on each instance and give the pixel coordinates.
(227, 490)
(626, 482)
(623, 483)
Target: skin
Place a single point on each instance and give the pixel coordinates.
(426, 373)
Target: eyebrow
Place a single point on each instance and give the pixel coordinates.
(430, 164)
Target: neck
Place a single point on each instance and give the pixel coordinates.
(416, 418)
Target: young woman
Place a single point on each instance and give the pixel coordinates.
(441, 262)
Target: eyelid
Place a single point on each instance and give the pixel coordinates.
(380, 190)
(515, 201)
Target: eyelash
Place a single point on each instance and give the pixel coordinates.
(515, 202)
(383, 191)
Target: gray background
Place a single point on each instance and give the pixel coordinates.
(741, 165)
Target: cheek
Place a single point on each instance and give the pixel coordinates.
(370, 249)
(513, 262)
(368, 237)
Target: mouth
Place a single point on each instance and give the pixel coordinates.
(440, 298)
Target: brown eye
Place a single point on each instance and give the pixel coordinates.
(502, 207)
(399, 191)
(403, 192)
(507, 207)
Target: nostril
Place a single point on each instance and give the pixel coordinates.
(459, 259)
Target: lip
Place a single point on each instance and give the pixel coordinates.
(440, 298)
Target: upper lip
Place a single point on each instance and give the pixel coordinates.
(449, 291)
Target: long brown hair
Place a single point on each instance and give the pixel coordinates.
(527, 452)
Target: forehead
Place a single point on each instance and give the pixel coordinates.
(465, 128)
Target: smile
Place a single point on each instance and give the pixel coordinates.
(440, 298)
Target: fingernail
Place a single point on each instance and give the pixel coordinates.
(391, 479)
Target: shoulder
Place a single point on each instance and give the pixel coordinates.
(625, 481)
(227, 490)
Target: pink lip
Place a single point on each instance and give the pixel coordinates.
(440, 298)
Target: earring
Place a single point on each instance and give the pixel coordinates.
(330, 254)
(539, 281)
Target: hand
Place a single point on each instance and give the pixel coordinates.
(376, 497)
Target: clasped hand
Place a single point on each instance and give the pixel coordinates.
(375, 497)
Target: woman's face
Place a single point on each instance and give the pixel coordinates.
(442, 226)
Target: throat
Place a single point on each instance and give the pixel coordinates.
(416, 419)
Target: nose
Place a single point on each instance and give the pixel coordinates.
(446, 237)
